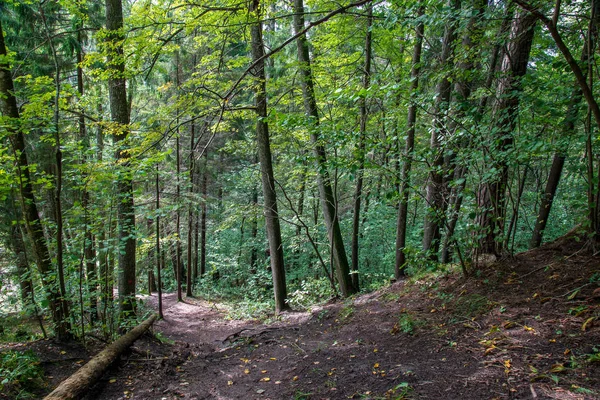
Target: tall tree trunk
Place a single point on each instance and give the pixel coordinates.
(434, 217)
(158, 250)
(89, 247)
(361, 150)
(328, 203)
(204, 192)
(408, 149)
(191, 166)
(264, 156)
(471, 43)
(119, 111)
(8, 106)
(568, 128)
(491, 196)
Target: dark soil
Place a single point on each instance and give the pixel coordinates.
(520, 328)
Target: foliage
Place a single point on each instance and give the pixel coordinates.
(20, 374)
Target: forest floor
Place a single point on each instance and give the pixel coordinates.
(527, 327)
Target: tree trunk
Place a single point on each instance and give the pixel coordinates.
(204, 191)
(119, 111)
(8, 106)
(265, 159)
(74, 386)
(491, 196)
(568, 129)
(159, 257)
(408, 150)
(326, 193)
(361, 150)
(191, 166)
(434, 217)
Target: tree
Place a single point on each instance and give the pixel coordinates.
(492, 195)
(119, 110)
(8, 106)
(265, 159)
(328, 202)
(402, 219)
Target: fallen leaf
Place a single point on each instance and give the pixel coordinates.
(557, 368)
(260, 391)
(528, 328)
(295, 378)
(265, 379)
(507, 363)
(264, 371)
(113, 380)
(246, 371)
(229, 383)
(588, 321)
(376, 365)
(272, 359)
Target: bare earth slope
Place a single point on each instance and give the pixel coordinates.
(522, 328)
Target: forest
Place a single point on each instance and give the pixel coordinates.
(270, 156)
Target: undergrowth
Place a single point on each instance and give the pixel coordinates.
(20, 374)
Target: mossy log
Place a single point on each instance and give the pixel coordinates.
(74, 386)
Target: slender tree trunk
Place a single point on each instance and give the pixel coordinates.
(119, 110)
(254, 233)
(158, 250)
(434, 218)
(492, 195)
(328, 203)
(361, 150)
(568, 128)
(264, 156)
(408, 150)
(204, 191)
(89, 248)
(9, 109)
(188, 284)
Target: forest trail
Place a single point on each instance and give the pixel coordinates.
(199, 322)
(527, 327)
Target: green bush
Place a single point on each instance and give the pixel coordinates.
(20, 374)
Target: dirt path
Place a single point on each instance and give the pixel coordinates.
(196, 321)
(528, 328)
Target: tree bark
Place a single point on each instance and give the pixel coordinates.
(434, 197)
(361, 150)
(328, 203)
(408, 149)
(119, 111)
(491, 196)
(265, 159)
(85, 377)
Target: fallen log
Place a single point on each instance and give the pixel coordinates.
(75, 385)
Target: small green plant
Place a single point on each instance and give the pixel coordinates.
(401, 391)
(345, 313)
(163, 339)
(300, 395)
(20, 374)
(595, 356)
(407, 323)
